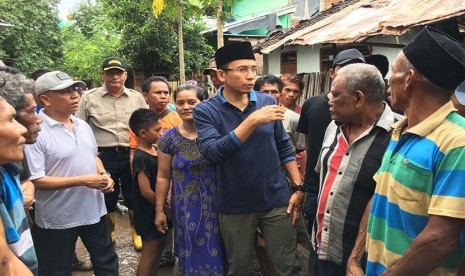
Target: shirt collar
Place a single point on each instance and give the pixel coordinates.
(51, 122)
(426, 126)
(12, 168)
(104, 91)
(252, 96)
(384, 121)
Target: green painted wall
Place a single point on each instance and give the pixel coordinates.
(247, 8)
(243, 9)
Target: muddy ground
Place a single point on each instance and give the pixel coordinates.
(129, 258)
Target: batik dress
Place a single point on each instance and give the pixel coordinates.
(197, 241)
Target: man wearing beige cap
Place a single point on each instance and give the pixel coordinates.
(211, 71)
(70, 181)
(107, 110)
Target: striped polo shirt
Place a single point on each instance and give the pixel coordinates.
(422, 173)
(346, 185)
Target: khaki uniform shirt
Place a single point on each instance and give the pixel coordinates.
(109, 116)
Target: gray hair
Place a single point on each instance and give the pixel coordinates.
(13, 87)
(366, 78)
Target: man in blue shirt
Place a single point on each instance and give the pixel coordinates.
(241, 133)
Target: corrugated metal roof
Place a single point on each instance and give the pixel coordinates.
(356, 20)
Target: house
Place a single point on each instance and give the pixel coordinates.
(372, 26)
(252, 20)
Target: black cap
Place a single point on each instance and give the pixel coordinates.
(439, 57)
(233, 51)
(380, 61)
(346, 56)
(114, 63)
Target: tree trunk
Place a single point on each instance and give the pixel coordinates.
(182, 73)
(219, 22)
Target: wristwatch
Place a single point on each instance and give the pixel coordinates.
(298, 188)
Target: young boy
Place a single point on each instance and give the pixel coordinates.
(146, 125)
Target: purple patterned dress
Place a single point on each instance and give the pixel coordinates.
(197, 241)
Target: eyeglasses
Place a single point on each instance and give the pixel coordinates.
(70, 90)
(243, 69)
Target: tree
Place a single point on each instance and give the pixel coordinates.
(151, 45)
(35, 40)
(90, 39)
(219, 23)
(159, 5)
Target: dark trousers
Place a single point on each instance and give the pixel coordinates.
(116, 162)
(325, 268)
(311, 204)
(55, 249)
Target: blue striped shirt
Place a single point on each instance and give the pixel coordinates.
(422, 173)
(17, 232)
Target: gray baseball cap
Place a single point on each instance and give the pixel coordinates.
(55, 80)
(349, 55)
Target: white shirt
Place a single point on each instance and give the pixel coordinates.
(62, 153)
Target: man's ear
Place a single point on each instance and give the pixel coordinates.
(221, 75)
(145, 95)
(142, 132)
(360, 98)
(332, 73)
(44, 99)
(409, 77)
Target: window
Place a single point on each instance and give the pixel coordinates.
(289, 63)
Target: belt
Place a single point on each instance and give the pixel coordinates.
(108, 149)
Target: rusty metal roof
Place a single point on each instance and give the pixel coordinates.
(353, 21)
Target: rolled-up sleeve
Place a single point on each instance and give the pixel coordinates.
(212, 145)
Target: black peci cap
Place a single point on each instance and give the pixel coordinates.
(439, 57)
(233, 51)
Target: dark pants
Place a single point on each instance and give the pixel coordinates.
(311, 204)
(55, 249)
(325, 268)
(116, 162)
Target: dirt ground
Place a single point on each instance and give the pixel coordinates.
(129, 258)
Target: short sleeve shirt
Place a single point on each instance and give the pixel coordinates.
(108, 116)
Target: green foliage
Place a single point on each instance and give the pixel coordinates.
(35, 39)
(151, 45)
(90, 39)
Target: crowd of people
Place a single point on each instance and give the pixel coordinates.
(218, 185)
